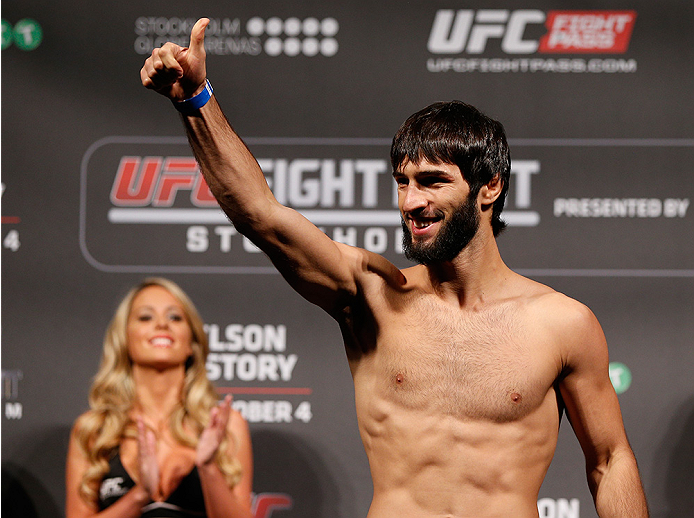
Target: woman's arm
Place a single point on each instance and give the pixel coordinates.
(220, 500)
(128, 506)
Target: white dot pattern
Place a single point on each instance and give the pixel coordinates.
(293, 36)
(274, 27)
(255, 26)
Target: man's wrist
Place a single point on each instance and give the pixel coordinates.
(192, 105)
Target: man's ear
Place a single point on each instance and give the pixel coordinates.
(491, 191)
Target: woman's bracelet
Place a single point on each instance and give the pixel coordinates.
(190, 106)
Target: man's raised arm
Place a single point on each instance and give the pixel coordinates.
(320, 269)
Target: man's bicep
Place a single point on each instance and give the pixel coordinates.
(591, 402)
(318, 268)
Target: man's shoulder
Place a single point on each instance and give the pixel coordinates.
(563, 322)
(365, 261)
(575, 329)
(552, 305)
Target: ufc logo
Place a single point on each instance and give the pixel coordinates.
(468, 31)
(265, 503)
(156, 181)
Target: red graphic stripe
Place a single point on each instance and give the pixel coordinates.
(266, 390)
(12, 220)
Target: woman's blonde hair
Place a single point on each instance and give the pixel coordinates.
(111, 397)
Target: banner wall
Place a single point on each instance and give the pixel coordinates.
(100, 189)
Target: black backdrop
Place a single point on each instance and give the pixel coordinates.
(596, 98)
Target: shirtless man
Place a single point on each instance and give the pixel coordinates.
(461, 367)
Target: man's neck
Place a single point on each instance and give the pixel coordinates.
(474, 275)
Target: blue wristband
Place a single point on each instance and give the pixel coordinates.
(190, 106)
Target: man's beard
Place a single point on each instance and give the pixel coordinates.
(453, 236)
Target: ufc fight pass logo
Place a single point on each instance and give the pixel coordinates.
(521, 32)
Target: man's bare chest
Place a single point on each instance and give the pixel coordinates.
(489, 364)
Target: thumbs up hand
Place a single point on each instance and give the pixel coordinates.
(178, 72)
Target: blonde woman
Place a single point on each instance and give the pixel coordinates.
(155, 442)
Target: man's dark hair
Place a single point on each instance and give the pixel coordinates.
(457, 133)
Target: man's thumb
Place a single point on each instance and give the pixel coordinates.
(197, 36)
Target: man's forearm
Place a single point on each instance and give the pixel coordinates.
(617, 488)
(230, 170)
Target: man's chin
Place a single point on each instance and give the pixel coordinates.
(420, 253)
(422, 242)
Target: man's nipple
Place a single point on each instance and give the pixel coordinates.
(516, 397)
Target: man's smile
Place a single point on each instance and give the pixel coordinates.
(421, 225)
